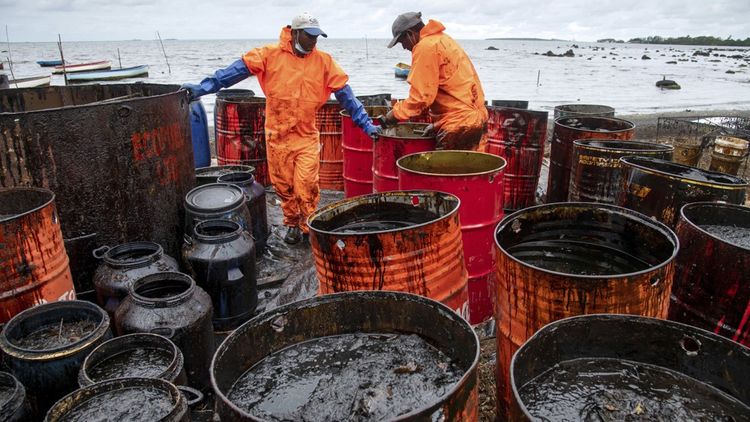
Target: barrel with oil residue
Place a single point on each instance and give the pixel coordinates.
(710, 284)
(476, 179)
(522, 104)
(206, 175)
(383, 374)
(394, 143)
(595, 175)
(583, 110)
(518, 136)
(405, 241)
(13, 404)
(105, 150)
(626, 367)
(569, 129)
(561, 260)
(358, 147)
(33, 262)
(328, 122)
(659, 188)
(239, 121)
(728, 154)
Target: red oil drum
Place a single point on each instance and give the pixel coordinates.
(407, 241)
(476, 179)
(357, 153)
(33, 262)
(518, 136)
(396, 142)
(710, 284)
(328, 122)
(239, 121)
(569, 129)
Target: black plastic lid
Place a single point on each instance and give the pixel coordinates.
(214, 197)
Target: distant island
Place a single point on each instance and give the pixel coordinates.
(525, 39)
(686, 40)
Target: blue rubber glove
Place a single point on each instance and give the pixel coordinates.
(351, 104)
(222, 78)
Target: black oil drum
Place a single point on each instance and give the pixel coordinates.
(206, 175)
(13, 404)
(216, 201)
(256, 203)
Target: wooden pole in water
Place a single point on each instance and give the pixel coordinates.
(538, 74)
(118, 58)
(62, 57)
(165, 52)
(10, 58)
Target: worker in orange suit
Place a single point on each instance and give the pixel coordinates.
(297, 80)
(443, 81)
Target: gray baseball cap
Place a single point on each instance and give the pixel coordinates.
(403, 22)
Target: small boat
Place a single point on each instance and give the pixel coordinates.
(83, 67)
(30, 82)
(49, 63)
(401, 70)
(109, 75)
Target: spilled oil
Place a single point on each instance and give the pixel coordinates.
(580, 258)
(616, 390)
(56, 335)
(125, 405)
(376, 217)
(735, 235)
(354, 376)
(142, 362)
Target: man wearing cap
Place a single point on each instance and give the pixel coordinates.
(297, 80)
(443, 81)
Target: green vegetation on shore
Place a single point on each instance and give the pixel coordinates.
(688, 40)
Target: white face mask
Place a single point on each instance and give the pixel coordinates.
(298, 46)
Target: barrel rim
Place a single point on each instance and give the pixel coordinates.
(444, 310)
(56, 353)
(235, 230)
(201, 171)
(237, 203)
(586, 144)
(329, 207)
(706, 204)
(503, 163)
(19, 392)
(46, 203)
(386, 136)
(605, 108)
(156, 253)
(656, 225)
(162, 302)
(556, 325)
(537, 113)
(559, 121)
(627, 161)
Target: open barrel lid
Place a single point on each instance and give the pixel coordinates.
(214, 197)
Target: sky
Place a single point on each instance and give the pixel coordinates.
(579, 20)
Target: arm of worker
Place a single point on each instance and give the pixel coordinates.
(424, 78)
(222, 78)
(351, 104)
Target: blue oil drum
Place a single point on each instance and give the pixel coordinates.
(199, 127)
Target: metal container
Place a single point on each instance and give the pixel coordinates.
(13, 407)
(328, 122)
(379, 313)
(476, 179)
(660, 188)
(583, 110)
(518, 136)
(687, 151)
(406, 241)
(139, 355)
(358, 147)
(595, 175)
(561, 260)
(49, 370)
(216, 201)
(171, 305)
(394, 143)
(710, 284)
(239, 121)
(105, 150)
(124, 264)
(522, 104)
(123, 400)
(728, 154)
(569, 129)
(206, 175)
(256, 205)
(221, 260)
(33, 262)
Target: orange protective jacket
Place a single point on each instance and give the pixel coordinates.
(443, 80)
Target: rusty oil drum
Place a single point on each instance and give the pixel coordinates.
(583, 110)
(476, 179)
(33, 262)
(358, 153)
(328, 122)
(659, 188)
(394, 143)
(710, 284)
(659, 365)
(595, 175)
(406, 241)
(105, 150)
(561, 260)
(728, 154)
(518, 136)
(239, 122)
(383, 313)
(570, 129)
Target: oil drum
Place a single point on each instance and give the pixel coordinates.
(394, 143)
